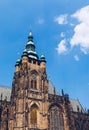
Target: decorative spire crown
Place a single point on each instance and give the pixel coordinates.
(29, 51)
(30, 37)
(30, 47)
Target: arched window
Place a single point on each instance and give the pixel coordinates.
(33, 115)
(56, 121)
(34, 82)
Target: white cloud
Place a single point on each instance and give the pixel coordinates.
(40, 21)
(62, 19)
(71, 24)
(76, 57)
(62, 34)
(80, 35)
(61, 49)
(81, 30)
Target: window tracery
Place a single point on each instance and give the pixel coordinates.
(56, 121)
(34, 81)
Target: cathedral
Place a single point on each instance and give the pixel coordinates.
(33, 103)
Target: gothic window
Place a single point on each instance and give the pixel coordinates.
(32, 86)
(34, 82)
(33, 115)
(56, 121)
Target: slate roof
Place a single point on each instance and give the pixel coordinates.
(76, 106)
(6, 93)
(51, 88)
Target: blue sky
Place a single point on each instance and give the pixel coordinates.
(60, 30)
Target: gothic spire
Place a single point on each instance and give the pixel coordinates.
(30, 47)
(30, 36)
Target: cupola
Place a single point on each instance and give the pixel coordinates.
(30, 47)
(43, 61)
(17, 65)
(42, 58)
(17, 62)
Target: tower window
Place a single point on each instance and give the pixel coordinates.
(34, 82)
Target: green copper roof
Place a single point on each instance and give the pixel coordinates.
(32, 54)
(30, 43)
(30, 47)
(24, 53)
(42, 58)
(17, 62)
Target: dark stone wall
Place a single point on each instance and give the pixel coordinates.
(81, 120)
(4, 114)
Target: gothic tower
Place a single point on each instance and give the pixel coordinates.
(29, 97)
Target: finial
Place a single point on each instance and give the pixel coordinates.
(30, 37)
(62, 92)
(30, 34)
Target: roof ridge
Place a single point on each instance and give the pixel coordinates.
(1, 86)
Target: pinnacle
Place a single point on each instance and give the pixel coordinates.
(30, 37)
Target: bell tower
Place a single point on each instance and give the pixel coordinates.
(29, 97)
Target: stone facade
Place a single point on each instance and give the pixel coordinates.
(32, 106)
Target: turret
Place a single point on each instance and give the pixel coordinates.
(17, 65)
(29, 55)
(25, 56)
(43, 61)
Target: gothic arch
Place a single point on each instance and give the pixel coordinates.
(32, 103)
(56, 120)
(55, 105)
